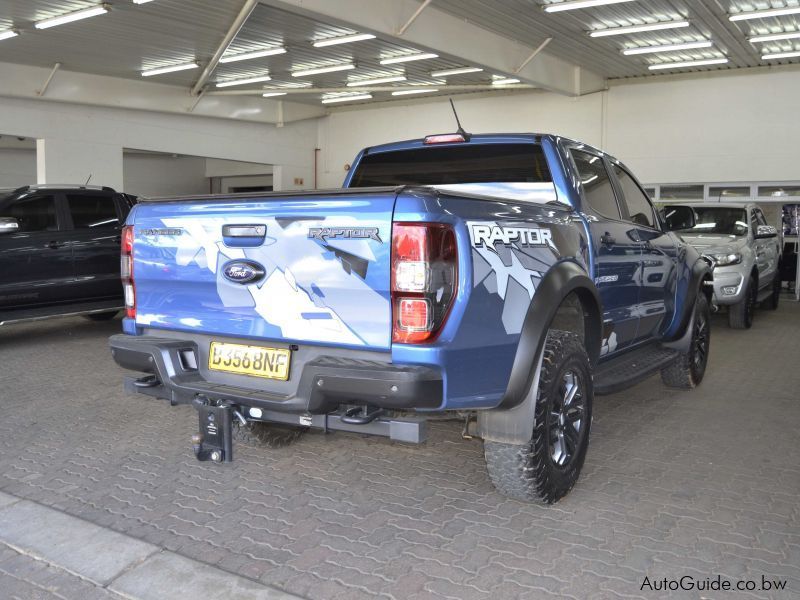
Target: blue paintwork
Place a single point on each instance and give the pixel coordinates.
(476, 347)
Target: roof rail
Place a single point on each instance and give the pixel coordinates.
(65, 186)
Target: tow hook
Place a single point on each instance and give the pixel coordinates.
(214, 441)
(470, 429)
(361, 415)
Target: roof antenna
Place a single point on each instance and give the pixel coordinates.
(460, 129)
(88, 179)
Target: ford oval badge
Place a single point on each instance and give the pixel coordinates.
(243, 271)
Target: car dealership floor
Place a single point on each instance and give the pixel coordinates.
(699, 483)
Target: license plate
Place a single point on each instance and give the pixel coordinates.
(272, 363)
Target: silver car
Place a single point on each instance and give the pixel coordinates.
(746, 253)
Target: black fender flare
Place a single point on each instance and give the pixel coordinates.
(700, 271)
(511, 420)
(561, 280)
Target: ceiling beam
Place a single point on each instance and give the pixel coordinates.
(437, 31)
(232, 32)
(24, 81)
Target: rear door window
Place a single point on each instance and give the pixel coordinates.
(596, 183)
(92, 211)
(33, 214)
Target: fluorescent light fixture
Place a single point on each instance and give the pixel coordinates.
(576, 4)
(774, 37)
(141, 1)
(638, 28)
(667, 48)
(408, 58)
(349, 98)
(72, 16)
(272, 94)
(345, 39)
(505, 81)
(232, 82)
(170, 69)
(793, 54)
(318, 71)
(250, 55)
(410, 92)
(688, 64)
(361, 82)
(459, 71)
(765, 14)
(7, 34)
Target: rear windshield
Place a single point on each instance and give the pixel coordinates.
(719, 220)
(454, 164)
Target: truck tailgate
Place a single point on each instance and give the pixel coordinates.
(322, 266)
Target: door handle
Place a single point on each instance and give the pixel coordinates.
(54, 245)
(607, 240)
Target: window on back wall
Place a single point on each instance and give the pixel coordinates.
(779, 190)
(681, 192)
(718, 192)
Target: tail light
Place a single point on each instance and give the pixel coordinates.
(424, 275)
(126, 271)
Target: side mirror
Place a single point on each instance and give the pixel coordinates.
(8, 225)
(677, 218)
(766, 231)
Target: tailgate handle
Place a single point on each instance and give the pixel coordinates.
(243, 235)
(244, 231)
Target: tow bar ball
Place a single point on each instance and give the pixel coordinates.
(214, 441)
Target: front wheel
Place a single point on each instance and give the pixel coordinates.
(740, 315)
(545, 468)
(688, 370)
(771, 303)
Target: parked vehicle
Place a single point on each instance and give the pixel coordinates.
(498, 277)
(59, 252)
(746, 253)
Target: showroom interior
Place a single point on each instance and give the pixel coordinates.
(166, 112)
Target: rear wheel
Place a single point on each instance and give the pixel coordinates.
(102, 316)
(269, 435)
(546, 467)
(740, 315)
(688, 370)
(771, 303)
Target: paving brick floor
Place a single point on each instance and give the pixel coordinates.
(699, 484)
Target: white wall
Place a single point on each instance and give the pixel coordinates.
(728, 127)
(65, 125)
(164, 175)
(17, 167)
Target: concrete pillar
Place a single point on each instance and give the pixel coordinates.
(61, 161)
(286, 177)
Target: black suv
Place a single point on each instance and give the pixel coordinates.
(59, 252)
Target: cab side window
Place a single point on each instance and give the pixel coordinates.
(33, 214)
(639, 207)
(596, 183)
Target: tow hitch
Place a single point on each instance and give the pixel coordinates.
(215, 439)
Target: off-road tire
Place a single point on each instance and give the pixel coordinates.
(774, 299)
(266, 435)
(740, 315)
(688, 370)
(528, 472)
(101, 316)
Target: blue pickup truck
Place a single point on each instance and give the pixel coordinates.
(501, 279)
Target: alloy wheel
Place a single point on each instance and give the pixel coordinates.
(567, 419)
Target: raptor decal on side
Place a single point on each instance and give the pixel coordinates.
(509, 261)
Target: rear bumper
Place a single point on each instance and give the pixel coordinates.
(323, 383)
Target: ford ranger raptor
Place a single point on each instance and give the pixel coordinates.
(504, 279)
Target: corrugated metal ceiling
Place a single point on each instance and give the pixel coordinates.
(164, 32)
